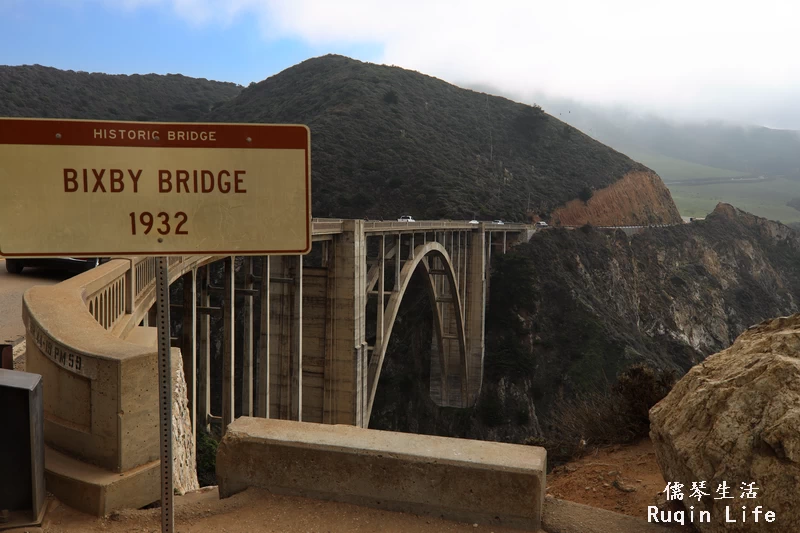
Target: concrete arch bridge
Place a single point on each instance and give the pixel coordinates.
(310, 357)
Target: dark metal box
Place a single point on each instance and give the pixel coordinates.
(22, 492)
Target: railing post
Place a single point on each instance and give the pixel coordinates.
(130, 288)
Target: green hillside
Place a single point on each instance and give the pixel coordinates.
(388, 141)
(44, 92)
(385, 141)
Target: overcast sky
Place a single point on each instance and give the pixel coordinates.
(723, 59)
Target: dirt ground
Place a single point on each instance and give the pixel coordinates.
(619, 479)
(623, 479)
(252, 511)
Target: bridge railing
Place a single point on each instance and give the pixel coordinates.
(106, 293)
(118, 293)
(375, 226)
(327, 226)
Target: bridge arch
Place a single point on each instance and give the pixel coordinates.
(424, 257)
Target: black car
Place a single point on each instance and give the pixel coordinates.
(75, 264)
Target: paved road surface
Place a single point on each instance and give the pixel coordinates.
(12, 287)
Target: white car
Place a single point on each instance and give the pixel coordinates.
(474, 222)
(406, 218)
(542, 224)
(497, 222)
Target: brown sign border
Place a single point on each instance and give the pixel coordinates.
(75, 132)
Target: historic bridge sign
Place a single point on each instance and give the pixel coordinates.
(94, 188)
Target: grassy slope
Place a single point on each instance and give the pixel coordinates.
(684, 151)
(767, 199)
(672, 169)
(388, 141)
(44, 92)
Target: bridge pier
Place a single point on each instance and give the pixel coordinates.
(262, 405)
(189, 343)
(228, 345)
(285, 357)
(475, 294)
(345, 392)
(247, 340)
(204, 352)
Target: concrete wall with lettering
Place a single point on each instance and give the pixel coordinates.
(98, 408)
(101, 400)
(80, 409)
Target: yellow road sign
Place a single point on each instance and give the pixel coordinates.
(95, 188)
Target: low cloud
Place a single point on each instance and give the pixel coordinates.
(715, 58)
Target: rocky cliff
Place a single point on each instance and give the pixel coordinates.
(732, 421)
(639, 198)
(571, 309)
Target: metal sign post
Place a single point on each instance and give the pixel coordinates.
(164, 393)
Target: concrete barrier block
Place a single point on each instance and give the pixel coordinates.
(457, 479)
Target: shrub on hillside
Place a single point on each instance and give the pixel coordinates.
(638, 389)
(206, 458)
(619, 415)
(390, 97)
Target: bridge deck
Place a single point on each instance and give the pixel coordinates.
(332, 226)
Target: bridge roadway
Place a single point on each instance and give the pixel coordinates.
(332, 226)
(315, 355)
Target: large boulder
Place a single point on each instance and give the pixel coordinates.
(735, 418)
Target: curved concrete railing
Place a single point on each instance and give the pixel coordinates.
(119, 293)
(102, 390)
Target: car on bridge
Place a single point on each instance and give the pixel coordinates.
(542, 224)
(406, 218)
(473, 221)
(73, 264)
(500, 222)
